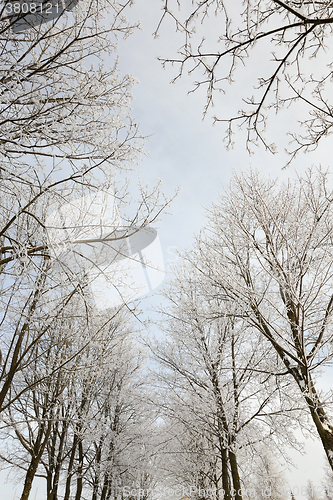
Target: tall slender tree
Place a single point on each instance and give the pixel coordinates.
(223, 389)
(267, 250)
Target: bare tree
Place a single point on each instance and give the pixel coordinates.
(81, 428)
(270, 480)
(224, 40)
(58, 99)
(267, 249)
(222, 388)
(65, 132)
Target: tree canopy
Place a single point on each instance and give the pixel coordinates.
(280, 51)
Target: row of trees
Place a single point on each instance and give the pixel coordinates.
(72, 386)
(223, 398)
(248, 333)
(83, 424)
(249, 317)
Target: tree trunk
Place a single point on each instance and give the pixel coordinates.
(29, 478)
(51, 455)
(224, 438)
(36, 456)
(321, 421)
(79, 481)
(225, 475)
(232, 455)
(304, 382)
(235, 475)
(97, 475)
(57, 469)
(105, 486)
(70, 468)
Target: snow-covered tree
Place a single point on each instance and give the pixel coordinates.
(65, 132)
(223, 40)
(84, 427)
(221, 399)
(267, 250)
(270, 482)
(62, 96)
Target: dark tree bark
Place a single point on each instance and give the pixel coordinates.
(38, 450)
